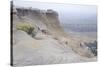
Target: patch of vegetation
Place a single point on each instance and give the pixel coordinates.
(93, 47)
(28, 28)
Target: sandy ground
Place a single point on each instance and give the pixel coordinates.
(42, 50)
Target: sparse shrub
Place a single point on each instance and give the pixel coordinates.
(92, 46)
(28, 28)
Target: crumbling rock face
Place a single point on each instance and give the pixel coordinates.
(52, 13)
(44, 19)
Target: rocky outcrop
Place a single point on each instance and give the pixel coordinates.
(90, 47)
(41, 18)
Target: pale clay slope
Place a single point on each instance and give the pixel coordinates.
(28, 51)
(44, 48)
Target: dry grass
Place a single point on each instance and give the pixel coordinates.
(28, 28)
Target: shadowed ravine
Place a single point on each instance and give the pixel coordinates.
(38, 38)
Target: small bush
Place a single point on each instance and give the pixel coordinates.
(28, 28)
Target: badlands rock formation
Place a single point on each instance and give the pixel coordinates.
(50, 44)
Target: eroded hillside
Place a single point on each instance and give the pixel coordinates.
(38, 38)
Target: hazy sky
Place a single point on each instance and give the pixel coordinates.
(68, 13)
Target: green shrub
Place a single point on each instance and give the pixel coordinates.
(28, 28)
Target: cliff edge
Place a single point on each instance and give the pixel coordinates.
(38, 38)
